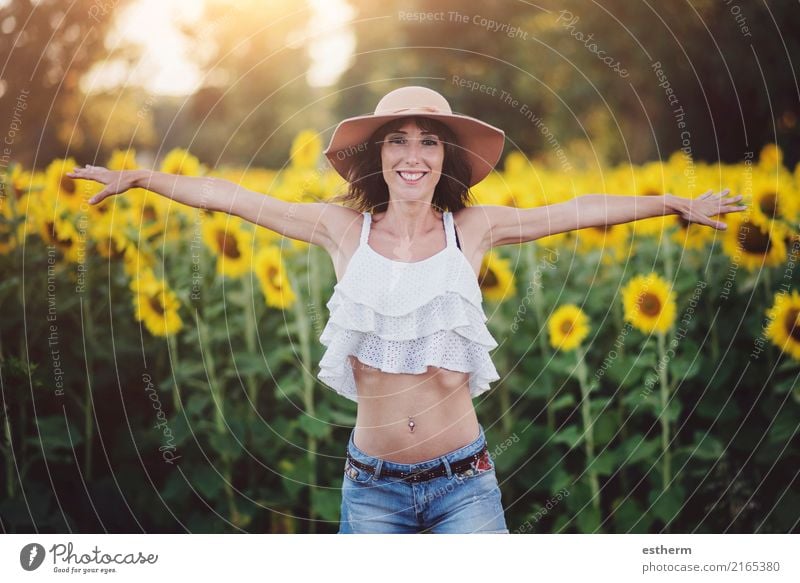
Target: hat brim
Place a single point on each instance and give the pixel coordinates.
(482, 143)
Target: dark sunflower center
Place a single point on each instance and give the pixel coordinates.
(566, 327)
(651, 192)
(149, 213)
(650, 304)
(753, 240)
(67, 185)
(769, 205)
(273, 276)
(488, 279)
(228, 245)
(792, 325)
(155, 304)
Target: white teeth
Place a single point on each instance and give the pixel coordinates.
(412, 176)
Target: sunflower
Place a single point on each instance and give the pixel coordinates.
(306, 149)
(135, 261)
(180, 161)
(147, 213)
(752, 244)
(771, 156)
(156, 305)
(692, 235)
(610, 240)
(496, 278)
(231, 243)
(774, 202)
(122, 160)
(64, 190)
(650, 180)
(17, 182)
(784, 323)
(60, 232)
(568, 327)
(649, 303)
(274, 279)
(109, 239)
(9, 239)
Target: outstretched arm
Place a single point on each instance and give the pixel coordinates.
(511, 225)
(303, 221)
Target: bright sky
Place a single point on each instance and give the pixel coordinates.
(166, 68)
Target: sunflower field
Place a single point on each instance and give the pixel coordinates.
(158, 362)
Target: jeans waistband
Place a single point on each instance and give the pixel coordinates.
(446, 459)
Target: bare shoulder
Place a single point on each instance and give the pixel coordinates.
(340, 223)
(473, 224)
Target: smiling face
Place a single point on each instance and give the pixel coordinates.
(412, 161)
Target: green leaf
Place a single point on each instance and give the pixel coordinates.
(666, 505)
(588, 519)
(57, 434)
(571, 436)
(673, 410)
(605, 463)
(326, 503)
(196, 403)
(629, 517)
(637, 449)
(225, 444)
(250, 364)
(561, 402)
(704, 448)
(314, 427)
(606, 427)
(207, 481)
(784, 427)
(294, 474)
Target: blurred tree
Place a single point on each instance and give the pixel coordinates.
(46, 47)
(583, 73)
(255, 57)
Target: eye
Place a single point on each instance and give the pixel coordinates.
(396, 140)
(432, 141)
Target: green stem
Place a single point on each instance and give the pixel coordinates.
(173, 348)
(219, 415)
(532, 257)
(665, 424)
(250, 342)
(304, 332)
(767, 282)
(588, 426)
(8, 455)
(88, 420)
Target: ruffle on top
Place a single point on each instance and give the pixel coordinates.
(404, 317)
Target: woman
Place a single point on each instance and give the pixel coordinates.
(407, 337)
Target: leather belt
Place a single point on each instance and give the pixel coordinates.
(457, 467)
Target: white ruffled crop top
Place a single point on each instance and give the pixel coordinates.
(401, 317)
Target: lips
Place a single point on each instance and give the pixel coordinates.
(411, 177)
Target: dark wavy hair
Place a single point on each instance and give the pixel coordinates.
(368, 191)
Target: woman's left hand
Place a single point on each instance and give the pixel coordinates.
(698, 210)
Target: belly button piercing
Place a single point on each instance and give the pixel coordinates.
(411, 424)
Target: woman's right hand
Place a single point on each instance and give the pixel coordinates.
(116, 181)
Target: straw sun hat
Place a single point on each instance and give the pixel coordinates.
(482, 143)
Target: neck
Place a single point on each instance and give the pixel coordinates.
(408, 220)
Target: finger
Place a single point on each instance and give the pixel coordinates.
(99, 197)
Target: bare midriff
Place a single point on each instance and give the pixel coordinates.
(438, 402)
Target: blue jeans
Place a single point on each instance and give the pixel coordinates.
(455, 503)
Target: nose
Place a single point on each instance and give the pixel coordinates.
(414, 149)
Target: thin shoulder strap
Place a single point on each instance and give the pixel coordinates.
(449, 229)
(365, 227)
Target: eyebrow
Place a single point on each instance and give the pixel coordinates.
(404, 132)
